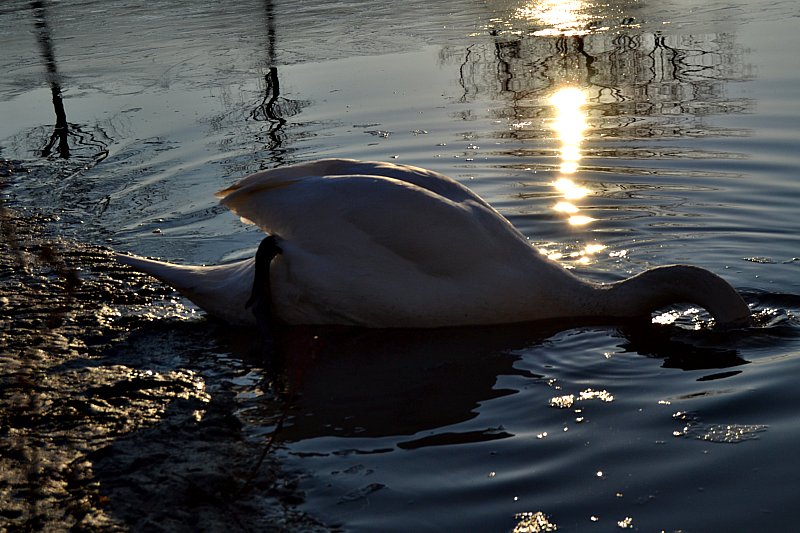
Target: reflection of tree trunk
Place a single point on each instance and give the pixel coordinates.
(268, 110)
(270, 15)
(61, 130)
(503, 50)
(462, 77)
(274, 84)
(580, 46)
(272, 109)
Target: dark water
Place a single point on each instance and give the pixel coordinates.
(682, 146)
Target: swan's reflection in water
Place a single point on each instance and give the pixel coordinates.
(361, 383)
(375, 383)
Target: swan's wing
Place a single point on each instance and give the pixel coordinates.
(354, 213)
(426, 179)
(380, 251)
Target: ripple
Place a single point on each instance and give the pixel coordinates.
(695, 428)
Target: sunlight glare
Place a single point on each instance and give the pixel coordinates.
(594, 248)
(570, 151)
(569, 125)
(580, 220)
(565, 207)
(568, 167)
(569, 189)
(562, 17)
(567, 98)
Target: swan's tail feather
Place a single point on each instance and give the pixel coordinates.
(176, 276)
(220, 290)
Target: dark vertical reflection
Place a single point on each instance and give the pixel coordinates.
(61, 130)
(640, 84)
(268, 126)
(270, 110)
(269, 12)
(462, 75)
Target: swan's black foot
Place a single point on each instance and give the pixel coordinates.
(260, 301)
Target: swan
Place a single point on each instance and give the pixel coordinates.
(384, 245)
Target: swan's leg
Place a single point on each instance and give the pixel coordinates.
(261, 298)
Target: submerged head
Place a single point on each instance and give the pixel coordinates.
(642, 294)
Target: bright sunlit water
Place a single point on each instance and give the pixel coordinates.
(615, 136)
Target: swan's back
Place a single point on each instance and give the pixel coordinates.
(236, 195)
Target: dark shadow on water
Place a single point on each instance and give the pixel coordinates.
(681, 349)
(376, 383)
(351, 382)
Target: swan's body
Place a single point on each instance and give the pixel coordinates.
(384, 245)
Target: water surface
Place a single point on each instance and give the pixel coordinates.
(616, 137)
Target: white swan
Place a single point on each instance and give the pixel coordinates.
(385, 245)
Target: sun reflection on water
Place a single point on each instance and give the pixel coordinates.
(569, 189)
(581, 256)
(561, 17)
(566, 207)
(569, 126)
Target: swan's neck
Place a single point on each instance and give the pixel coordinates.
(642, 294)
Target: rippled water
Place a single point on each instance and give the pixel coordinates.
(680, 146)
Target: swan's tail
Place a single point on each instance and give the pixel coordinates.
(221, 290)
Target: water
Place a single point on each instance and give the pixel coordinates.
(684, 149)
